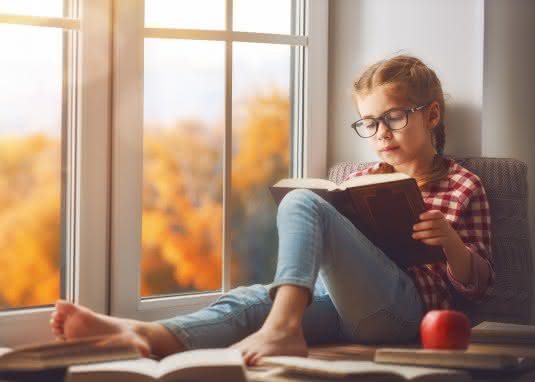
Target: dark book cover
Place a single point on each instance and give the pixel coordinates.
(385, 213)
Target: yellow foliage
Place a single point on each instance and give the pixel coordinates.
(182, 202)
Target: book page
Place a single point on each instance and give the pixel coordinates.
(4, 350)
(200, 358)
(306, 183)
(341, 369)
(144, 366)
(326, 368)
(364, 180)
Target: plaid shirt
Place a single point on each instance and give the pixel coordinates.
(463, 201)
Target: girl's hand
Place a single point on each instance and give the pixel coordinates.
(434, 229)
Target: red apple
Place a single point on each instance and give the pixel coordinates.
(445, 329)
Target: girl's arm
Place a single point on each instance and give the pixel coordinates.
(469, 262)
(434, 229)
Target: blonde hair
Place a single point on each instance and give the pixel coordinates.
(410, 76)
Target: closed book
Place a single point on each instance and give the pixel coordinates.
(384, 207)
(503, 333)
(457, 359)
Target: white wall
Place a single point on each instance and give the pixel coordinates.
(447, 35)
(483, 52)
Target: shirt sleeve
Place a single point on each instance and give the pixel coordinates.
(474, 231)
(480, 273)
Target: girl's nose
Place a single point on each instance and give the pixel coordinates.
(383, 132)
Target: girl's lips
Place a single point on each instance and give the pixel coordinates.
(390, 148)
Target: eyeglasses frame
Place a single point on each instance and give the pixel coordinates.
(382, 118)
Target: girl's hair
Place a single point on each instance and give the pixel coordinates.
(409, 76)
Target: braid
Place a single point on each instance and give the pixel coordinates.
(439, 133)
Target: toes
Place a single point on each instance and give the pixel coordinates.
(248, 356)
(64, 308)
(254, 359)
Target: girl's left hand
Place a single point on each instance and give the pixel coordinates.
(434, 229)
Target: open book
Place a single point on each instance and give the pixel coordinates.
(458, 359)
(320, 370)
(384, 207)
(54, 355)
(503, 333)
(204, 365)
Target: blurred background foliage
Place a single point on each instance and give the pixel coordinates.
(182, 206)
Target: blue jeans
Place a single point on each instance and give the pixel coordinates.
(360, 295)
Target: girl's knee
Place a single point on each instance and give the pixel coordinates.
(300, 199)
(245, 296)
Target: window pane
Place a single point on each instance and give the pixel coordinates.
(263, 16)
(182, 169)
(260, 156)
(48, 8)
(185, 14)
(30, 165)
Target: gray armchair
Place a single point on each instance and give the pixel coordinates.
(505, 181)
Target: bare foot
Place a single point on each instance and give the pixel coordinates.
(272, 341)
(71, 321)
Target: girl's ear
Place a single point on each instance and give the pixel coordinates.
(434, 114)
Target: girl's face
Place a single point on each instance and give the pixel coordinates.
(406, 146)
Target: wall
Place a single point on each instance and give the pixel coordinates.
(509, 88)
(447, 35)
(482, 51)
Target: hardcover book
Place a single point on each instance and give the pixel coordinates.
(315, 370)
(503, 333)
(458, 359)
(60, 354)
(384, 207)
(86, 361)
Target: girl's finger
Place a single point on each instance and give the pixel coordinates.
(431, 215)
(427, 234)
(423, 225)
(433, 241)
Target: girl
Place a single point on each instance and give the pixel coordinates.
(361, 295)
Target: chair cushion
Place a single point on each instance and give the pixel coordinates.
(505, 182)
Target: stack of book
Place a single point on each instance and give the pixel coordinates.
(493, 346)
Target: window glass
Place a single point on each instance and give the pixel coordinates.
(48, 8)
(30, 164)
(260, 156)
(263, 16)
(182, 166)
(185, 14)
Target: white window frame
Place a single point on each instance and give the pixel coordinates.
(103, 191)
(127, 161)
(86, 172)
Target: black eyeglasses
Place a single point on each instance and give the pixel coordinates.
(395, 119)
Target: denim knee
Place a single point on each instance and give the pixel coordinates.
(302, 200)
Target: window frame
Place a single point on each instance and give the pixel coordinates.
(127, 167)
(85, 176)
(98, 271)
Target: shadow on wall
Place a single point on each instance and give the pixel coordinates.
(463, 130)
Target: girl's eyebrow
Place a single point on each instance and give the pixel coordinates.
(384, 112)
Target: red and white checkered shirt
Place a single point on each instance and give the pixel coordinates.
(463, 201)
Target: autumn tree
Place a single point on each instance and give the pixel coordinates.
(182, 205)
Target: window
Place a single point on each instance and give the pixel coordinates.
(158, 165)
(217, 117)
(53, 195)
